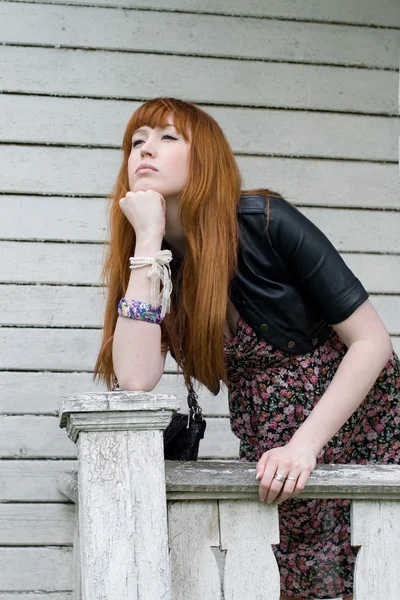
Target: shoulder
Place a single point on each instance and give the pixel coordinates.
(280, 217)
(268, 202)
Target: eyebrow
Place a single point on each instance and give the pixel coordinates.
(144, 130)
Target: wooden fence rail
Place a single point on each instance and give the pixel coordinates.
(150, 529)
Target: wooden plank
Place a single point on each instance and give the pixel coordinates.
(53, 218)
(41, 393)
(368, 12)
(396, 344)
(38, 569)
(36, 596)
(45, 349)
(195, 574)
(179, 33)
(388, 308)
(85, 219)
(311, 182)
(215, 479)
(375, 527)
(80, 264)
(41, 437)
(53, 306)
(84, 307)
(212, 80)
(36, 437)
(245, 527)
(33, 480)
(37, 524)
(97, 123)
(54, 349)
(378, 273)
(358, 230)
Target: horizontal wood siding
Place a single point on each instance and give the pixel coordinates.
(356, 12)
(307, 95)
(214, 80)
(227, 36)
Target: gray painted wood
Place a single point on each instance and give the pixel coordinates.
(121, 475)
(192, 533)
(375, 526)
(58, 349)
(248, 83)
(76, 560)
(219, 535)
(80, 264)
(40, 437)
(327, 183)
(179, 33)
(84, 307)
(40, 393)
(85, 219)
(99, 123)
(233, 479)
(40, 569)
(36, 524)
(33, 480)
(246, 527)
(36, 596)
(352, 11)
(69, 487)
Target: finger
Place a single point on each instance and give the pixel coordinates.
(301, 482)
(288, 489)
(275, 488)
(260, 467)
(269, 486)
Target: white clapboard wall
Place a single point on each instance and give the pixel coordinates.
(307, 94)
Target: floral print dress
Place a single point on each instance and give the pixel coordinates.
(270, 394)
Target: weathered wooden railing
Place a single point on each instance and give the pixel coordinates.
(198, 530)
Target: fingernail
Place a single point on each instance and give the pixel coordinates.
(258, 476)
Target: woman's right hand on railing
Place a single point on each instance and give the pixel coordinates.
(145, 211)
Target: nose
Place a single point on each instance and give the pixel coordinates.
(147, 148)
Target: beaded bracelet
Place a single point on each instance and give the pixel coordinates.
(142, 311)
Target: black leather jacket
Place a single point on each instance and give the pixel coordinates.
(291, 283)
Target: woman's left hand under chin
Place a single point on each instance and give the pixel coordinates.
(292, 462)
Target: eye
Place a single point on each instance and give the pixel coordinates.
(171, 137)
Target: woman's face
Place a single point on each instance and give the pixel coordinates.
(167, 152)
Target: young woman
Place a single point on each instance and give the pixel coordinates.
(261, 301)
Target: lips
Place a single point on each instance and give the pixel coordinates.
(145, 166)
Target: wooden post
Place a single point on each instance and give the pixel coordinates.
(123, 532)
(375, 526)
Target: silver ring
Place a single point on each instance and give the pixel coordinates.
(280, 478)
(292, 478)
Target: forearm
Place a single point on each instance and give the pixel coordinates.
(356, 374)
(137, 344)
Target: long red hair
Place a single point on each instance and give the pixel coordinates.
(194, 327)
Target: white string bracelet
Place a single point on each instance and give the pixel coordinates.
(160, 271)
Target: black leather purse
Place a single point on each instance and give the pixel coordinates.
(184, 432)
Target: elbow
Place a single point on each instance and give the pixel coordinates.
(127, 384)
(389, 349)
(383, 349)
